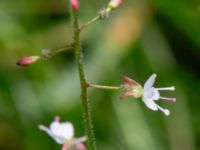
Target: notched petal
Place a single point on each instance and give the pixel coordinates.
(68, 130)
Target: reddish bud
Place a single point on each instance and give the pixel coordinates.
(27, 60)
(75, 4)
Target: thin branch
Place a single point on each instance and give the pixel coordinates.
(46, 53)
(103, 13)
(89, 22)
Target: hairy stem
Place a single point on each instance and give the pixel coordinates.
(84, 98)
(105, 87)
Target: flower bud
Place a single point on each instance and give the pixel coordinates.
(131, 88)
(114, 4)
(75, 4)
(27, 60)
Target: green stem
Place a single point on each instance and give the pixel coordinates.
(85, 102)
(105, 87)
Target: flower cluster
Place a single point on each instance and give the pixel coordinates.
(149, 93)
(63, 133)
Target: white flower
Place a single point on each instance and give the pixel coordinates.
(152, 94)
(63, 133)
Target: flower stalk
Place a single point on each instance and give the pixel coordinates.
(104, 87)
(89, 22)
(85, 103)
(47, 53)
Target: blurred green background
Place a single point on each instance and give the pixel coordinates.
(140, 38)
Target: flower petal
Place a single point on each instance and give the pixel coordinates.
(150, 81)
(44, 128)
(150, 104)
(153, 106)
(151, 93)
(58, 139)
(64, 130)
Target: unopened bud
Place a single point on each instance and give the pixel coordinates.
(75, 4)
(114, 4)
(27, 60)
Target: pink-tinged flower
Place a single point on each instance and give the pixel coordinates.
(75, 4)
(115, 3)
(63, 133)
(152, 94)
(148, 93)
(27, 60)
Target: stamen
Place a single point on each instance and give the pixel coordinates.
(168, 99)
(172, 88)
(166, 111)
